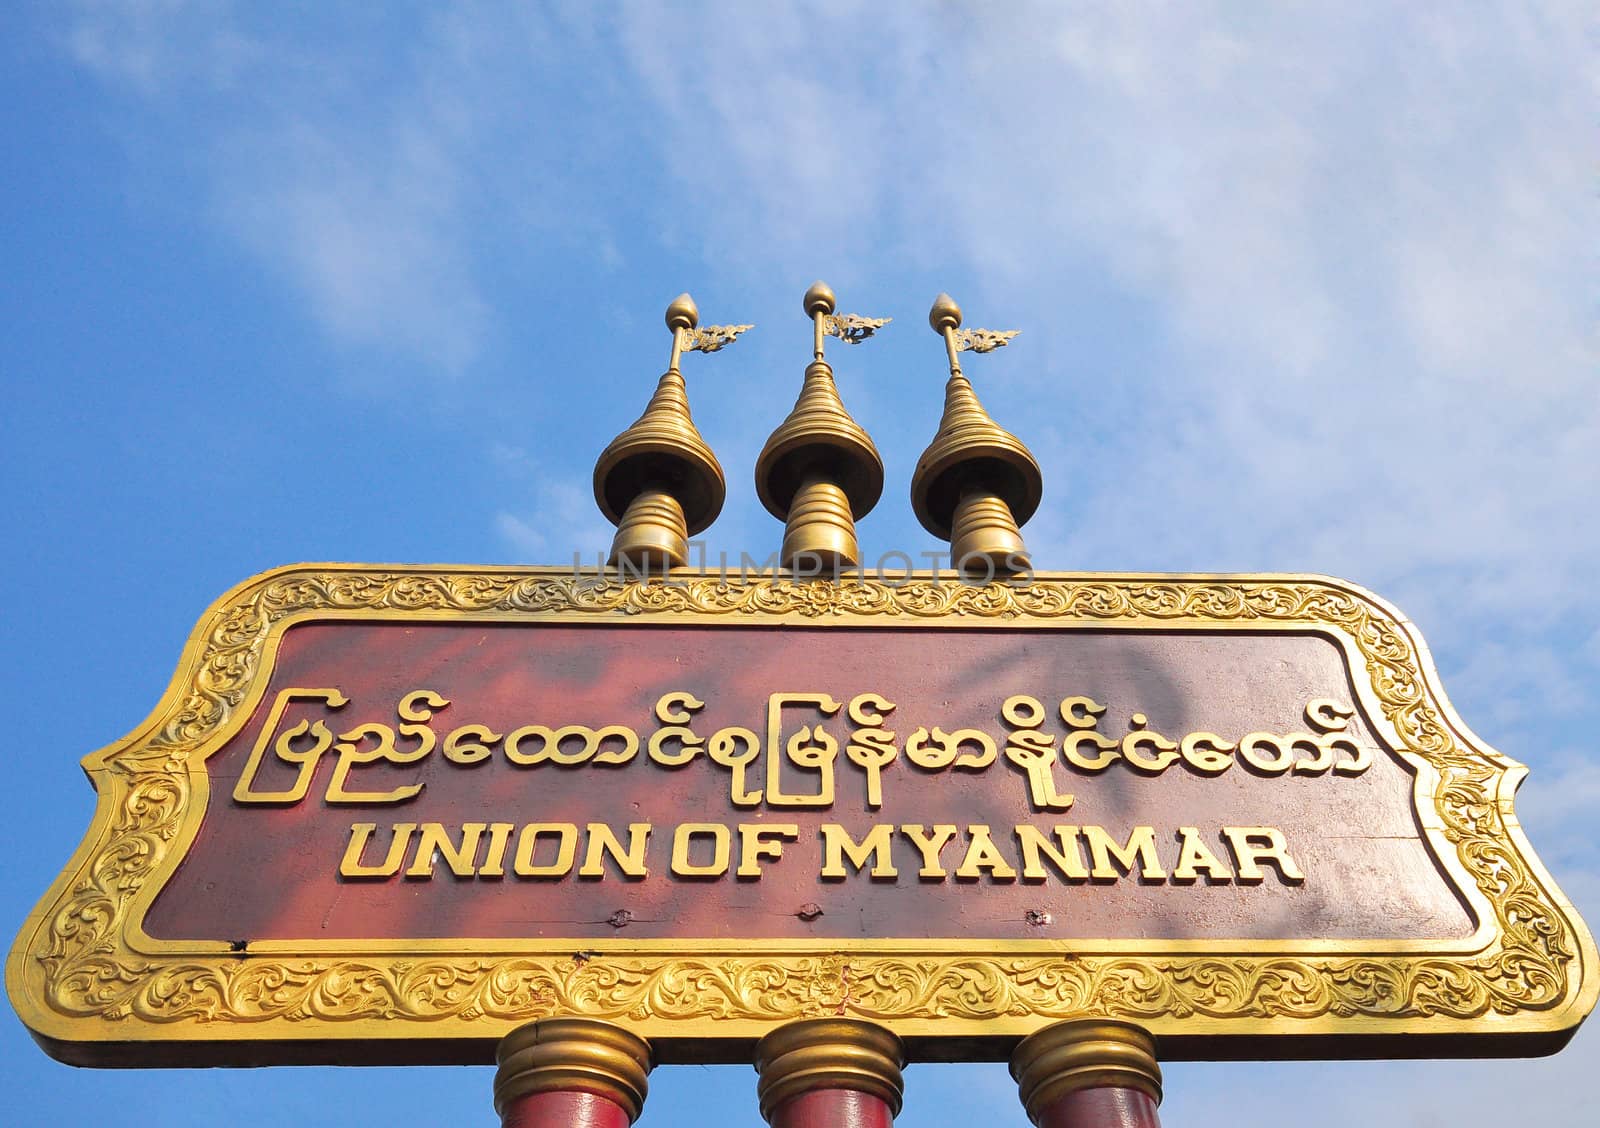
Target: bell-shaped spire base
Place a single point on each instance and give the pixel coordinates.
(978, 476)
(984, 538)
(819, 473)
(819, 536)
(652, 536)
(658, 481)
(819, 437)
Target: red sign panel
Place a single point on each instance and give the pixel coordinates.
(417, 808)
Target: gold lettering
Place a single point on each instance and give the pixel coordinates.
(1033, 751)
(434, 843)
(872, 747)
(837, 846)
(383, 748)
(937, 750)
(675, 710)
(1317, 753)
(1249, 855)
(1022, 711)
(360, 834)
(566, 836)
(762, 840)
(604, 755)
(929, 843)
(591, 746)
(1360, 756)
(1327, 715)
(306, 759)
(1081, 712)
(735, 749)
(494, 856)
(1072, 748)
(1193, 856)
(1266, 753)
(514, 740)
(686, 832)
(603, 841)
(1206, 752)
(1163, 751)
(811, 748)
(1332, 720)
(982, 855)
(677, 707)
(1140, 850)
(417, 707)
(470, 744)
(1036, 849)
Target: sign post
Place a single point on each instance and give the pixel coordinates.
(829, 1071)
(591, 820)
(1089, 1074)
(556, 1072)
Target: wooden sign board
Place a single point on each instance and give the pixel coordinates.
(388, 814)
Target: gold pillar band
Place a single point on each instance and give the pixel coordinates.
(652, 535)
(829, 1053)
(819, 532)
(573, 1054)
(983, 530)
(1085, 1054)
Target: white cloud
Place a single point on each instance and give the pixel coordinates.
(369, 175)
(156, 45)
(367, 228)
(559, 515)
(521, 535)
(1358, 234)
(351, 193)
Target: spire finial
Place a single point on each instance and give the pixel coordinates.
(819, 299)
(819, 471)
(683, 313)
(976, 483)
(945, 314)
(945, 318)
(683, 318)
(658, 481)
(850, 328)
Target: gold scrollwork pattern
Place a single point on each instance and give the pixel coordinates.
(89, 969)
(712, 338)
(983, 340)
(852, 328)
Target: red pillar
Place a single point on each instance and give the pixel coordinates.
(1092, 1073)
(570, 1073)
(830, 1073)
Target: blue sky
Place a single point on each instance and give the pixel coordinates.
(1301, 289)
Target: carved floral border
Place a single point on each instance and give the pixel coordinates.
(89, 970)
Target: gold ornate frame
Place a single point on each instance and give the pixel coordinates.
(94, 989)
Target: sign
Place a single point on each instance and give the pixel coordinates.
(391, 814)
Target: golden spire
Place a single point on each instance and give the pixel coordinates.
(819, 472)
(658, 481)
(976, 483)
